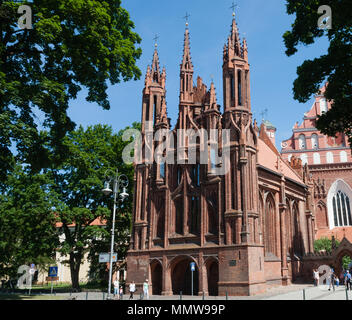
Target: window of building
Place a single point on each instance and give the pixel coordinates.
(323, 105)
(302, 141)
(162, 170)
(232, 87)
(342, 210)
(339, 204)
(304, 159)
(329, 157)
(316, 158)
(212, 159)
(239, 89)
(343, 156)
(315, 141)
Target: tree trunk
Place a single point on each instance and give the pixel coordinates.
(75, 264)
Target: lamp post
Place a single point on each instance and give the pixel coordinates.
(118, 182)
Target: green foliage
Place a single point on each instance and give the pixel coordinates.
(346, 260)
(73, 44)
(335, 66)
(324, 244)
(27, 223)
(78, 184)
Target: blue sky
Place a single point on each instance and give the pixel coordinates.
(262, 22)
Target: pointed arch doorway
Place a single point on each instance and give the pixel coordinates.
(181, 276)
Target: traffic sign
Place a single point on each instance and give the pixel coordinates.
(53, 271)
(193, 266)
(105, 257)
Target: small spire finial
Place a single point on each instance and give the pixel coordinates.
(233, 8)
(156, 40)
(186, 18)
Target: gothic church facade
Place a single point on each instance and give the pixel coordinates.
(246, 230)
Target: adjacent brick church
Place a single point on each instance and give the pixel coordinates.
(330, 164)
(245, 230)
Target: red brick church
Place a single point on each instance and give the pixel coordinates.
(245, 230)
(330, 164)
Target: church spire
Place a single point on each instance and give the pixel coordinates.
(186, 71)
(186, 59)
(156, 66)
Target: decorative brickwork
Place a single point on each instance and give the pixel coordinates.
(246, 230)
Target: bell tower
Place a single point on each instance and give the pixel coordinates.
(241, 217)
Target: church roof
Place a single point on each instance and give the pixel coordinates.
(270, 158)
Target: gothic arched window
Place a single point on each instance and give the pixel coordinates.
(329, 157)
(239, 89)
(343, 156)
(302, 141)
(315, 141)
(339, 204)
(323, 105)
(269, 221)
(342, 210)
(179, 215)
(316, 158)
(297, 237)
(304, 158)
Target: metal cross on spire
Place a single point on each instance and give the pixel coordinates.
(186, 18)
(156, 40)
(233, 7)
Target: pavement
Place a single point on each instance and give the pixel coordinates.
(292, 292)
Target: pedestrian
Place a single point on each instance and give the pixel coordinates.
(132, 289)
(316, 277)
(116, 287)
(332, 280)
(146, 289)
(348, 280)
(121, 293)
(337, 281)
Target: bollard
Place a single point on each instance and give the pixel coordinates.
(227, 296)
(304, 294)
(70, 293)
(346, 293)
(87, 295)
(180, 295)
(103, 295)
(203, 296)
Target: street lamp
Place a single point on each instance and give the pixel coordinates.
(118, 181)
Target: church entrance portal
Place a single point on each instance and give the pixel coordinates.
(157, 276)
(181, 277)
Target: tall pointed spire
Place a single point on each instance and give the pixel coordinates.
(235, 38)
(186, 59)
(156, 66)
(186, 71)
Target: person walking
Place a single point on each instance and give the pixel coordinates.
(116, 287)
(332, 279)
(316, 277)
(348, 280)
(121, 293)
(337, 281)
(146, 289)
(132, 289)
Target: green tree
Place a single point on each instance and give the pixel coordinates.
(324, 244)
(335, 66)
(27, 222)
(78, 183)
(73, 44)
